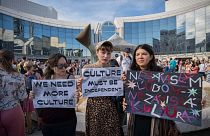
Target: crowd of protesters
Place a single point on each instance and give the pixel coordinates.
(191, 66)
(17, 86)
(58, 121)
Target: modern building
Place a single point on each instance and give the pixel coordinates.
(183, 29)
(30, 8)
(107, 30)
(37, 36)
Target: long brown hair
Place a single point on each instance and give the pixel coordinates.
(6, 58)
(51, 63)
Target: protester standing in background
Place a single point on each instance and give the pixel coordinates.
(125, 60)
(12, 89)
(28, 106)
(195, 67)
(172, 64)
(187, 66)
(202, 69)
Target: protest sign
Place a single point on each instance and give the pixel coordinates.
(54, 93)
(102, 82)
(173, 96)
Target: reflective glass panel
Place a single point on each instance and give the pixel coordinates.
(127, 25)
(1, 25)
(26, 29)
(148, 27)
(37, 30)
(135, 28)
(141, 27)
(156, 25)
(54, 31)
(135, 41)
(1, 20)
(164, 24)
(7, 22)
(208, 14)
(180, 23)
(46, 30)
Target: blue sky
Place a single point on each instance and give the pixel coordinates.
(93, 11)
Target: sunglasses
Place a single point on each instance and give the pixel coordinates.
(61, 66)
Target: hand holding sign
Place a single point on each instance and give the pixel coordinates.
(54, 93)
(31, 95)
(124, 104)
(102, 82)
(173, 96)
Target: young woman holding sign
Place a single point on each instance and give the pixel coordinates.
(140, 125)
(101, 113)
(58, 121)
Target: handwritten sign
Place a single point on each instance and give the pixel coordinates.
(102, 82)
(173, 96)
(54, 93)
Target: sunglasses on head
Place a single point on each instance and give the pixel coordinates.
(61, 66)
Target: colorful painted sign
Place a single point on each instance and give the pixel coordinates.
(173, 96)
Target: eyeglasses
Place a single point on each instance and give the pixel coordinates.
(61, 66)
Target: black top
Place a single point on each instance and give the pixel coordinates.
(56, 115)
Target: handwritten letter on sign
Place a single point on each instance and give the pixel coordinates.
(54, 93)
(102, 82)
(173, 96)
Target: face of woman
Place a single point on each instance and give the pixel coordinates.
(143, 58)
(103, 56)
(60, 68)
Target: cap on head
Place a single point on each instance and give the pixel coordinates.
(127, 50)
(104, 45)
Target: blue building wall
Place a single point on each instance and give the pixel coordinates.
(185, 33)
(14, 32)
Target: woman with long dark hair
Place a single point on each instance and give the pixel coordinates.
(57, 121)
(12, 90)
(139, 125)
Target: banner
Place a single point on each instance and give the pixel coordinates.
(54, 93)
(173, 96)
(102, 82)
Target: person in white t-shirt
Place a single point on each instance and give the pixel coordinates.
(125, 60)
(202, 69)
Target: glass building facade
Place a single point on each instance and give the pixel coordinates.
(183, 33)
(107, 30)
(30, 38)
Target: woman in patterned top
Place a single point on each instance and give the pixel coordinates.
(101, 113)
(12, 89)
